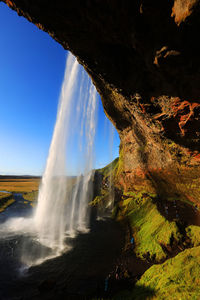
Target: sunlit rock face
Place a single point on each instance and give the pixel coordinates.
(143, 57)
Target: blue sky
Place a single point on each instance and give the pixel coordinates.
(32, 67)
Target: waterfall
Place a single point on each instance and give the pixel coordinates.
(62, 211)
(111, 157)
(63, 202)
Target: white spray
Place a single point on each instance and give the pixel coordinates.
(58, 210)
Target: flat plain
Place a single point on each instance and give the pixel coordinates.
(17, 184)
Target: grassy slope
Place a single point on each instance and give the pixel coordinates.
(110, 169)
(31, 197)
(4, 195)
(108, 175)
(6, 199)
(149, 227)
(176, 278)
(194, 234)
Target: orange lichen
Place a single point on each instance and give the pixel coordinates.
(182, 9)
(142, 108)
(40, 26)
(9, 3)
(178, 108)
(196, 156)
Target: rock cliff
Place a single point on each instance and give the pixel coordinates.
(143, 57)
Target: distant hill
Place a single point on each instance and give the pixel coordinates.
(19, 177)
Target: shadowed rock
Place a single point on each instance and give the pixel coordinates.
(144, 59)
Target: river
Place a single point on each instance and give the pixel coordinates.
(76, 274)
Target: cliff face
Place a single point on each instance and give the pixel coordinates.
(144, 60)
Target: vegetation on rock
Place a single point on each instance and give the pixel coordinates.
(177, 278)
(6, 199)
(151, 230)
(160, 235)
(31, 196)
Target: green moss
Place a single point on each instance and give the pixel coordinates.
(139, 293)
(6, 203)
(98, 200)
(139, 195)
(193, 232)
(177, 278)
(6, 199)
(32, 196)
(4, 195)
(150, 228)
(103, 192)
(127, 202)
(110, 169)
(142, 148)
(120, 165)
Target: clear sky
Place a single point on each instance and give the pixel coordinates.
(32, 67)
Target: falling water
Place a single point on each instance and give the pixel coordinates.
(108, 184)
(111, 157)
(62, 207)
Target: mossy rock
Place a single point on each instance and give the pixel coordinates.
(99, 200)
(193, 232)
(31, 196)
(177, 278)
(151, 230)
(6, 203)
(110, 169)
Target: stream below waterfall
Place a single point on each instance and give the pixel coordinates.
(76, 273)
(19, 208)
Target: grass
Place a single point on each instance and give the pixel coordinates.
(193, 232)
(4, 205)
(110, 169)
(27, 186)
(32, 196)
(140, 293)
(99, 200)
(152, 232)
(104, 191)
(19, 185)
(150, 228)
(6, 199)
(4, 195)
(177, 278)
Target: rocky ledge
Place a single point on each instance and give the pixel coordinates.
(144, 59)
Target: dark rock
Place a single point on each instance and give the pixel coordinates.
(46, 285)
(143, 57)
